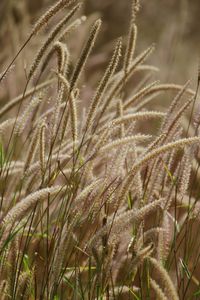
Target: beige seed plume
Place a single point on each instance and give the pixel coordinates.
(118, 85)
(62, 54)
(5, 125)
(136, 62)
(164, 238)
(85, 53)
(165, 279)
(20, 209)
(17, 100)
(50, 39)
(71, 27)
(130, 49)
(22, 120)
(140, 256)
(87, 190)
(50, 13)
(171, 125)
(176, 100)
(124, 141)
(123, 221)
(104, 83)
(32, 149)
(135, 9)
(150, 234)
(73, 108)
(163, 149)
(138, 116)
(120, 113)
(157, 289)
(57, 109)
(139, 94)
(172, 87)
(186, 172)
(42, 148)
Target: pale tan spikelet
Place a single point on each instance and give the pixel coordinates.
(12, 264)
(62, 54)
(156, 90)
(161, 247)
(135, 9)
(125, 140)
(120, 113)
(73, 108)
(165, 279)
(22, 120)
(100, 142)
(171, 125)
(140, 256)
(164, 238)
(103, 84)
(155, 153)
(23, 285)
(118, 85)
(32, 150)
(171, 87)
(121, 291)
(61, 48)
(130, 49)
(85, 53)
(18, 99)
(64, 122)
(176, 100)
(71, 27)
(149, 235)
(5, 125)
(186, 173)
(140, 68)
(137, 116)
(42, 144)
(44, 19)
(137, 179)
(124, 189)
(160, 295)
(115, 169)
(61, 248)
(19, 211)
(35, 167)
(170, 163)
(12, 168)
(155, 143)
(50, 39)
(66, 149)
(57, 109)
(191, 130)
(132, 67)
(143, 103)
(139, 94)
(87, 190)
(4, 263)
(163, 149)
(123, 222)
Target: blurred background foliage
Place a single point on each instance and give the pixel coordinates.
(173, 25)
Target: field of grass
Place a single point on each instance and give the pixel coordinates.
(99, 150)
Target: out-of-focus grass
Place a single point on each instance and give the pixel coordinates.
(169, 24)
(173, 25)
